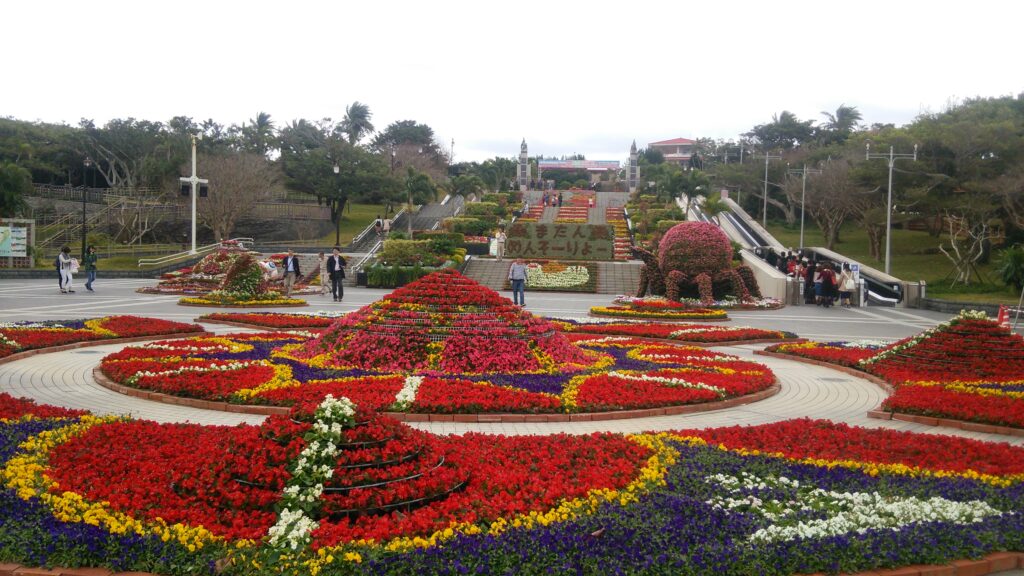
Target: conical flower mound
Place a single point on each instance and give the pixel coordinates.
(446, 323)
(970, 347)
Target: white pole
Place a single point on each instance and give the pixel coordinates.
(764, 212)
(888, 215)
(803, 195)
(194, 180)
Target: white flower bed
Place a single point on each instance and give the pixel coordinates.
(571, 277)
(677, 382)
(847, 511)
(407, 395)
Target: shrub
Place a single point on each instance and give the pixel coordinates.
(469, 226)
(485, 209)
(1011, 267)
(666, 225)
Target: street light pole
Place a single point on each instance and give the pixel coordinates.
(803, 194)
(764, 210)
(194, 181)
(88, 164)
(891, 158)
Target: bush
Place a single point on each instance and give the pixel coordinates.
(407, 252)
(666, 225)
(1011, 267)
(469, 226)
(499, 198)
(457, 238)
(379, 276)
(484, 209)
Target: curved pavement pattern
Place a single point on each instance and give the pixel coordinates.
(65, 379)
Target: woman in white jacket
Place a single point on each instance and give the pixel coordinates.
(66, 262)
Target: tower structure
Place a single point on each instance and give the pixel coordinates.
(633, 175)
(524, 168)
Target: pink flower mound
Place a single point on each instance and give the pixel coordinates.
(694, 248)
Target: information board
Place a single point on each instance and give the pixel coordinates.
(13, 241)
(560, 241)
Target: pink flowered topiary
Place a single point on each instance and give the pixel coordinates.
(694, 248)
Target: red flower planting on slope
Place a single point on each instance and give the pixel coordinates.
(12, 408)
(943, 403)
(824, 440)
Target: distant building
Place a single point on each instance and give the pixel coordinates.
(676, 150)
(595, 167)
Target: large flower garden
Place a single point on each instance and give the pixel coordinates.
(18, 337)
(443, 345)
(967, 369)
(334, 484)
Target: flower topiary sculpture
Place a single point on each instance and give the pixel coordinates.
(694, 259)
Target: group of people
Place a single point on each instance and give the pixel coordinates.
(551, 199)
(67, 266)
(824, 282)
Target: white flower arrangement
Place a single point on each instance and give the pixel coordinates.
(675, 382)
(407, 395)
(571, 277)
(9, 342)
(848, 511)
(313, 467)
(238, 365)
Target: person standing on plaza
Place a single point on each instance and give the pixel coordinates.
(828, 285)
(517, 277)
(324, 276)
(336, 268)
(499, 240)
(846, 285)
(559, 199)
(291, 272)
(66, 275)
(809, 273)
(90, 267)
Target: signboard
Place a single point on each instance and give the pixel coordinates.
(560, 241)
(855, 268)
(14, 241)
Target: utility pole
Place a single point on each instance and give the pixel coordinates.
(195, 181)
(891, 158)
(764, 213)
(803, 193)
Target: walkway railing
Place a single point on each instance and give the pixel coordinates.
(202, 251)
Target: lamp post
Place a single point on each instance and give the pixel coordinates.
(891, 158)
(764, 210)
(337, 218)
(87, 163)
(194, 181)
(803, 194)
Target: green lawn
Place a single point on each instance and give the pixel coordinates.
(356, 218)
(914, 257)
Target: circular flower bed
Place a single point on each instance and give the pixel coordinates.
(658, 312)
(335, 489)
(615, 373)
(23, 336)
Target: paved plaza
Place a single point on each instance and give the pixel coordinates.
(65, 378)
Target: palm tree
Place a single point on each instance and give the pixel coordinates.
(259, 133)
(714, 206)
(357, 122)
(844, 121)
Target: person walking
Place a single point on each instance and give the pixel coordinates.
(291, 272)
(324, 276)
(499, 239)
(846, 286)
(65, 260)
(336, 269)
(517, 274)
(90, 267)
(378, 227)
(828, 286)
(559, 199)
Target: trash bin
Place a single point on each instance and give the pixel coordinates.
(361, 278)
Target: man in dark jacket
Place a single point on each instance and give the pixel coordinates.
(336, 268)
(291, 272)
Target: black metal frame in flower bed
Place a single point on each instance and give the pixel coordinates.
(405, 505)
(342, 489)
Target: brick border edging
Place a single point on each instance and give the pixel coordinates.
(105, 381)
(101, 342)
(989, 564)
(880, 414)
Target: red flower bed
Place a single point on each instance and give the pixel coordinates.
(210, 385)
(681, 332)
(842, 355)
(462, 396)
(670, 387)
(943, 403)
(131, 326)
(12, 408)
(821, 439)
(32, 337)
(271, 320)
(506, 476)
(368, 393)
(179, 472)
(46, 338)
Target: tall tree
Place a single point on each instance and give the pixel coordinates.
(258, 136)
(15, 184)
(238, 180)
(785, 131)
(356, 123)
(839, 125)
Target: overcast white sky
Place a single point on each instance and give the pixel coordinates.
(585, 77)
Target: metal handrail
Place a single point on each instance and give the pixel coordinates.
(188, 253)
(362, 262)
